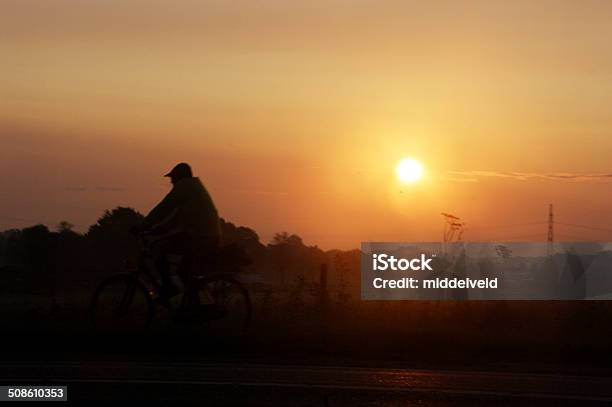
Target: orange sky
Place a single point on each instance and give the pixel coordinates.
(294, 114)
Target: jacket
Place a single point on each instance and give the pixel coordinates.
(189, 208)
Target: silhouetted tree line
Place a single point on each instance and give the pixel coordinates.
(36, 260)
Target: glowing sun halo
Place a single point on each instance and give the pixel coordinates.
(409, 170)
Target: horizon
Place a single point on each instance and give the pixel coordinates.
(512, 240)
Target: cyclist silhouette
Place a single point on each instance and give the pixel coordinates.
(188, 218)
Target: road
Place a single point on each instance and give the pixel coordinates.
(257, 383)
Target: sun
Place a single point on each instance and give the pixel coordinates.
(409, 170)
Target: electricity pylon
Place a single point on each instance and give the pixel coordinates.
(551, 222)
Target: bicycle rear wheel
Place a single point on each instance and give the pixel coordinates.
(223, 305)
(121, 303)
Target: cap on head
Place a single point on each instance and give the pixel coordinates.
(182, 170)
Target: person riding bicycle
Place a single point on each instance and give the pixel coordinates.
(190, 218)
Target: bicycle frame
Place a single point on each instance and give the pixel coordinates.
(145, 269)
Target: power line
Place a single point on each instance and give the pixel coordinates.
(516, 237)
(584, 226)
(507, 226)
(33, 222)
(11, 219)
(581, 238)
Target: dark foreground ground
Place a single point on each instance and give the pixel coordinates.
(239, 382)
(187, 368)
(234, 382)
(372, 354)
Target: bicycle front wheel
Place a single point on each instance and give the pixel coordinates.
(121, 303)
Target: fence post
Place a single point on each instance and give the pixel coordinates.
(323, 292)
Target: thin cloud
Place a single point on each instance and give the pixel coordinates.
(110, 189)
(98, 189)
(459, 179)
(253, 191)
(524, 176)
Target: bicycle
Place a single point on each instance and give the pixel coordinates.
(128, 300)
